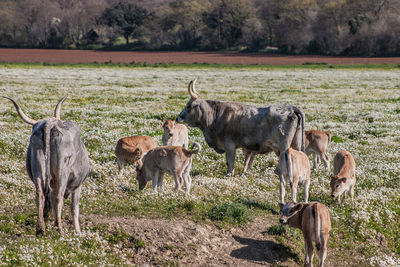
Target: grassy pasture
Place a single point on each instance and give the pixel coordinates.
(359, 106)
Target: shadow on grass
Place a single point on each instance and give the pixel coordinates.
(260, 251)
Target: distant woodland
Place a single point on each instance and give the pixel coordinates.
(330, 27)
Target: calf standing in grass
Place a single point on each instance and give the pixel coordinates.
(314, 220)
(344, 175)
(174, 159)
(317, 145)
(294, 167)
(131, 149)
(175, 134)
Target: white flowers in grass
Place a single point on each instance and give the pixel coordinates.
(358, 106)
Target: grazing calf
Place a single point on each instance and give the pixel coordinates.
(294, 167)
(174, 159)
(317, 145)
(314, 220)
(57, 163)
(175, 134)
(344, 175)
(131, 149)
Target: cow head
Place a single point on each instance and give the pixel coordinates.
(288, 210)
(338, 185)
(141, 175)
(168, 127)
(193, 111)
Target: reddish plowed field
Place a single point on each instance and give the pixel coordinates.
(89, 56)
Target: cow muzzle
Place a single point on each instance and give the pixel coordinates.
(179, 119)
(283, 220)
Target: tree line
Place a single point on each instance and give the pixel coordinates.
(330, 27)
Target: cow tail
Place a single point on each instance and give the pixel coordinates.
(329, 137)
(197, 150)
(317, 226)
(301, 122)
(289, 167)
(46, 134)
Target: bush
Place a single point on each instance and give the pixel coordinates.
(233, 213)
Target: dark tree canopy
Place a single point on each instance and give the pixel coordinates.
(330, 27)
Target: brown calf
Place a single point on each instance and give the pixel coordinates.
(314, 220)
(174, 159)
(344, 175)
(317, 145)
(294, 167)
(175, 134)
(130, 149)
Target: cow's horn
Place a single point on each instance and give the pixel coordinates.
(57, 110)
(21, 113)
(192, 92)
(193, 88)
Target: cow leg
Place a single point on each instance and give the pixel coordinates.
(351, 192)
(305, 192)
(282, 188)
(249, 157)
(47, 209)
(40, 204)
(186, 177)
(323, 250)
(325, 159)
(120, 166)
(315, 161)
(309, 251)
(75, 209)
(230, 150)
(155, 180)
(294, 188)
(161, 180)
(57, 198)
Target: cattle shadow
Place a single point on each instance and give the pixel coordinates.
(262, 251)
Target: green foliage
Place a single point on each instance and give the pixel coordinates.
(336, 139)
(234, 213)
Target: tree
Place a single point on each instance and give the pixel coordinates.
(127, 16)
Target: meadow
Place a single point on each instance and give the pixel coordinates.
(359, 106)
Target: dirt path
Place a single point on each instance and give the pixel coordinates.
(187, 243)
(89, 56)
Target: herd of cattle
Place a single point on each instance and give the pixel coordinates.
(58, 163)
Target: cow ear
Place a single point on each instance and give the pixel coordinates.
(281, 206)
(298, 206)
(161, 125)
(173, 124)
(334, 176)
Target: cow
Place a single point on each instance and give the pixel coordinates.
(294, 167)
(57, 162)
(314, 220)
(344, 175)
(175, 134)
(173, 159)
(227, 126)
(317, 144)
(130, 149)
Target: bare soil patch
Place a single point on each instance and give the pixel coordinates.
(90, 56)
(186, 243)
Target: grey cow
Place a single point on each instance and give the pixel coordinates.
(57, 163)
(227, 126)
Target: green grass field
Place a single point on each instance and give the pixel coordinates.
(359, 105)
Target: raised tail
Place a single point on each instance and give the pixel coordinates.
(197, 150)
(301, 122)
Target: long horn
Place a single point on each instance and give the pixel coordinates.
(194, 89)
(21, 113)
(57, 110)
(192, 94)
